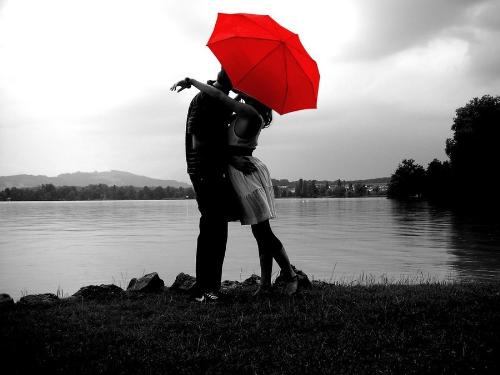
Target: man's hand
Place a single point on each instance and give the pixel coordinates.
(183, 84)
(242, 164)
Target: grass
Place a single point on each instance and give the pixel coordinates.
(335, 328)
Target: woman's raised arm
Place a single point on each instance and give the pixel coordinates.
(236, 106)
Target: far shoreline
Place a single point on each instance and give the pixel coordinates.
(185, 199)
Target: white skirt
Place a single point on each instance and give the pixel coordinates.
(254, 192)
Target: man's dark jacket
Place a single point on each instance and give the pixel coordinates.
(207, 119)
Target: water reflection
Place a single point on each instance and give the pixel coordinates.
(472, 240)
(475, 243)
(422, 233)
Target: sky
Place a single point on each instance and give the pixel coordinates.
(84, 85)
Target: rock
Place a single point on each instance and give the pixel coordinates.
(132, 283)
(100, 292)
(230, 284)
(320, 284)
(69, 299)
(252, 280)
(6, 301)
(304, 282)
(183, 282)
(148, 283)
(45, 299)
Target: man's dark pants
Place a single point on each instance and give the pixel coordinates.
(213, 194)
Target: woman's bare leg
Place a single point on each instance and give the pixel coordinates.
(266, 267)
(271, 247)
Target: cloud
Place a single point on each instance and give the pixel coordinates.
(392, 75)
(487, 15)
(159, 111)
(402, 27)
(389, 26)
(484, 53)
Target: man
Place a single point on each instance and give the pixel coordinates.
(207, 159)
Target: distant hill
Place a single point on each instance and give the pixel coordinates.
(118, 178)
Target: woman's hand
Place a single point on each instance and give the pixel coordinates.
(183, 84)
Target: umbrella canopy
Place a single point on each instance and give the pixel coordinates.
(266, 61)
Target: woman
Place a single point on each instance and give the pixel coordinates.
(254, 190)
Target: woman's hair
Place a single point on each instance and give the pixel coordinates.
(224, 79)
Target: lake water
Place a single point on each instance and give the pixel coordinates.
(46, 245)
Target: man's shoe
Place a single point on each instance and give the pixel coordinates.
(198, 298)
(196, 295)
(211, 296)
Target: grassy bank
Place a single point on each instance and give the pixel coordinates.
(429, 328)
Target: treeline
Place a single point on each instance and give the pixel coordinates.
(50, 192)
(282, 189)
(339, 188)
(473, 159)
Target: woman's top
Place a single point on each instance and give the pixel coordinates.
(238, 145)
(254, 191)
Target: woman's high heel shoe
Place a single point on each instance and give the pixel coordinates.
(291, 285)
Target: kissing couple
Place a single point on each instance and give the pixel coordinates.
(230, 184)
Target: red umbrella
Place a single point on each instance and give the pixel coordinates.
(266, 61)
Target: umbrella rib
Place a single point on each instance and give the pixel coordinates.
(256, 23)
(286, 79)
(257, 63)
(303, 71)
(300, 50)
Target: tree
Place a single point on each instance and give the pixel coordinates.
(5, 195)
(360, 190)
(313, 189)
(407, 181)
(339, 190)
(145, 193)
(473, 150)
(323, 189)
(158, 193)
(299, 188)
(48, 192)
(277, 191)
(438, 184)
